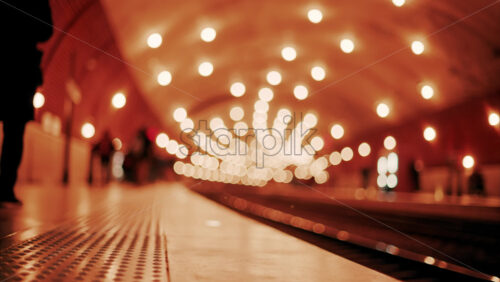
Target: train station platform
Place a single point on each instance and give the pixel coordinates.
(162, 232)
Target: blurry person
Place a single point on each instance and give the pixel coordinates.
(104, 149)
(365, 177)
(23, 25)
(476, 183)
(138, 160)
(414, 171)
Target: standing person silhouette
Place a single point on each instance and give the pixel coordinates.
(23, 24)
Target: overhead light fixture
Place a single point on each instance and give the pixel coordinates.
(346, 45)
(119, 100)
(468, 161)
(315, 16)
(337, 131)
(164, 78)
(318, 73)
(237, 89)
(427, 92)
(205, 69)
(289, 54)
(88, 130)
(208, 34)
(398, 3)
(383, 110)
(429, 133)
(389, 142)
(300, 92)
(417, 47)
(38, 100)
(154, 40)
(273, 77)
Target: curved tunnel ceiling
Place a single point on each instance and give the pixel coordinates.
(461, 58)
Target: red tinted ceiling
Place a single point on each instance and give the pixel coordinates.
(461, 57)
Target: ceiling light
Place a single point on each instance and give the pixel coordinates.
(383, 110)
(187, 125)
(315, 15)
(154, 40)
(364, 149)
(346, 45)
(427, 92)
(164, 78)
(494, 119)
(318, 73)
(119, 100)
(180, 114)
(335, 158)
(237, 89)
(311, 120)
(389, 143)
(274, 78)
(289, 53)
(317, 143)
(398, 3)
(208, 34)
(417, 47)
(347, 154)
(429, 133)
(38, 100)
(468, 161)
(337, 131)
(300, 92)
(88, 130)
(162, 140)
(205, 69)
(236, 113)
(266, 94)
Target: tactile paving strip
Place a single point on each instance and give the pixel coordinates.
(125, 244)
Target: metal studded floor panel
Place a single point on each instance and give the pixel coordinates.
(119, 233)
(121, 245)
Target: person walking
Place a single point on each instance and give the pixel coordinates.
(23, 24)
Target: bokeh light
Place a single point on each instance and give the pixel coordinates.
(208, 34)
(273, 77)
(288, 53)
(88, 130)
(335, 158)
(266, 94)
(315, 16)
(346, 45)
(154, 40)
(300, 92)
(236, 113)
(119, 100)
(180, 114)
(162, 140)
(398, 3)
(389, 143)
(164, 78)
(429, 133)
(468, 161)
(383, 110)
(417, 47)
(364, 149)
(318, 73)
(427, 92)
(337, 131)
(38, 100)
(347, 154)
(205, 69)
(493, 119)
(237, 89)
